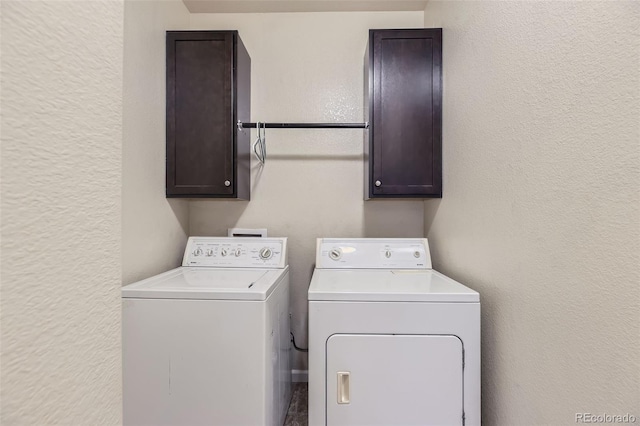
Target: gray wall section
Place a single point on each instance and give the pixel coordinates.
(541, 202)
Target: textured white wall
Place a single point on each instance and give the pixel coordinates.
(267, 6)
(541, 207)
(308, 67)
(61, 85)
(154, 228)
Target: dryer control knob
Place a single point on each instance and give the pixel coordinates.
(335, 253)
(387, 254)
(224, 252)
(238, 252)
(266, 253)
(210, 252)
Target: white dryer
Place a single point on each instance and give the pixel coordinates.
(208, 343)
(391, 341)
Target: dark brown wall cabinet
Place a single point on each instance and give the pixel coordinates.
(403, 156)
(208, 91)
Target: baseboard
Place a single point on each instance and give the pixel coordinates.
(298, 376)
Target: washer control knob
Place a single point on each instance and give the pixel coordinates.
(197, 252)
(265, 253)
(335, 253)
(224, 252)
(416, 254)
(210, 252)
(238, 252)
(387, 254)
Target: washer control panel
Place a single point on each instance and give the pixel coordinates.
(373, 253)
(236, 252)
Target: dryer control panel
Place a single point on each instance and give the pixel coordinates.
(373, 253)
(236, 252)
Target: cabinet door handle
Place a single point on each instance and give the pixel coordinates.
(343, 387)
(227, 183)
(378, 183)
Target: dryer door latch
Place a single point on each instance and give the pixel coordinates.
(343, 387)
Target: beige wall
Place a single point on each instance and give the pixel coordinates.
(541, 207)
(61, 230)
(308, 67)
(154, 228)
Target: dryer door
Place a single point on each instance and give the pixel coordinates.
(386, 379)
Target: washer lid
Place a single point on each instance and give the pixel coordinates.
(391, 285)
(207, 284)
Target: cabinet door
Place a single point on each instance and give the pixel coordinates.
(389, 379)
(405, 78)
(200, 115)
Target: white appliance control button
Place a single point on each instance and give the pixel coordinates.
(416, 254)
(387, 254)
(197, 252)
(224, 252)
(266, 253)
(335, 253)
(210, 252)
(238, 252)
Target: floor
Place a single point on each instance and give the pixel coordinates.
(299, 408)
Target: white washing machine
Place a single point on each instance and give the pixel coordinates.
(391, 341)
(208, 343)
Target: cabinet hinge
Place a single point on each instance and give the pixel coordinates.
(463, 358)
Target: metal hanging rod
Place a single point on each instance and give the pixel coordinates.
(242, 125)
